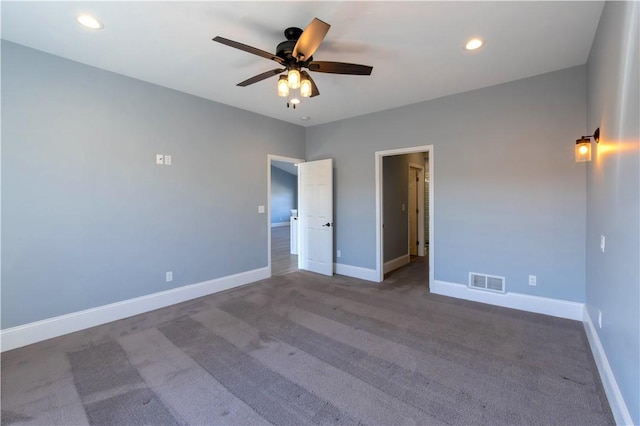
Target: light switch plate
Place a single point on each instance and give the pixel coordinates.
(260, 209)
(159, 159)
(602, 240)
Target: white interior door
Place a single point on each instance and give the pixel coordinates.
(315, 216)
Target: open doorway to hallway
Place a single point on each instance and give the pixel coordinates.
(283, 218)
(404, 211)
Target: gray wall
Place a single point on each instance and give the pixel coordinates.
(89, 219)
(613, 195)
(509, 199)
(284, 195)
(395, 195)
(426, 200)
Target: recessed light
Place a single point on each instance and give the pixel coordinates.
(90, 22)
(474, 43)
(305, 118)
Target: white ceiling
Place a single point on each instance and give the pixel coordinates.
(415, 48)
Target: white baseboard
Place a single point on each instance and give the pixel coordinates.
(278, 224)
(37, 331)
(396, 263)
(618, 407)
(356, 272)
(523, 302)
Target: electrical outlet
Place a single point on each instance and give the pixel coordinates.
(167, 160)
(339, 253)
(260, 209)
(599, 318)
(602, 240)
(532, 280)
(169, 276)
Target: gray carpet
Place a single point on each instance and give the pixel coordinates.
(306, 349)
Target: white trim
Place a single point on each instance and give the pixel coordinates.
(523, 302)
(270, 158)
(396, 263)
(618, 407)
(378, 183)
(356, 272)
(37, 331)
(279, 224)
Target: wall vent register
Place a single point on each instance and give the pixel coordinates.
(487, 282)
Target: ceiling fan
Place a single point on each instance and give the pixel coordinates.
(294, 55)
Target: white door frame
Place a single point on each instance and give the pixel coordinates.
(379, 233)
(270, 158)
(420, 206)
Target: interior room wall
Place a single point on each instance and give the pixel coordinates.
(284, 195)
(426, 199)
(613, 196)
(89, 219)
(509, 199)
(394, 206)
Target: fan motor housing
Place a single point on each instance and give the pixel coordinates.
(293, 33)
(285, 49)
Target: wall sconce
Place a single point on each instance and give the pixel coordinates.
(583, 146)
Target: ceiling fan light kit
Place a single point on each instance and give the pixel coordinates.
(293, 78)
(283, 86)
(295, 54)
(305, 88)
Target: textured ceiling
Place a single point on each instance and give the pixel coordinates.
(415, 48)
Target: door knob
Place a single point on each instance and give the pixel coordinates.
(327, 224)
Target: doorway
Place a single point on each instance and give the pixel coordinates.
(282, 200)
(424, 200)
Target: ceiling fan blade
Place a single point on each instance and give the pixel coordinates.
(340, 68)
(261, 77)
(310, 39)
(314, 88)
(249, 49)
